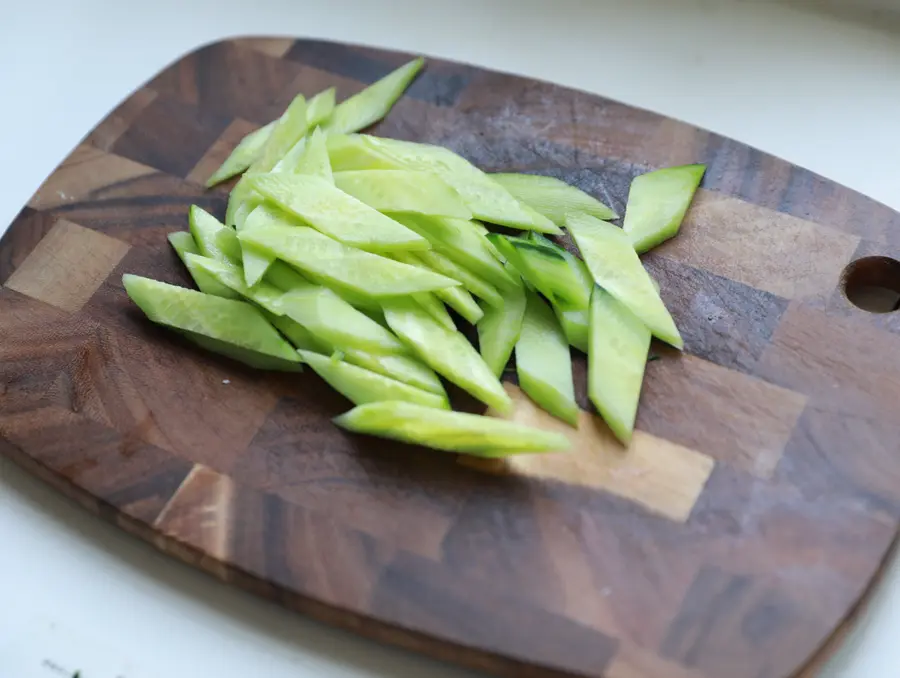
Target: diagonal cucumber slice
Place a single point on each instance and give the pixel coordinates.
(403, 368)
(447, 352)
(230, 276)
(403, 191)
(552, 197)
(433, 307)
(543, 361)
(235, 328)
(551, 273)
(204, 227)
(657, 203)
(314, 160)
(615, 266)
(500, 328)
(459, 299)
(257, 261)
(333, 320)
(336, 214)
(243, 155)
(449, 431)
(290, 128)
(295, 333)
(619, 342)
(334, 263)
(320, 107)
(374, 102)
(361, 386)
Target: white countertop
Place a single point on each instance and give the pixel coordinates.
(818, 92)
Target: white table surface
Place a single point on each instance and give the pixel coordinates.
(820, 93)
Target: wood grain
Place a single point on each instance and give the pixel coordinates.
(735, 538)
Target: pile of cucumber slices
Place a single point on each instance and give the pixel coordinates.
(344, 252)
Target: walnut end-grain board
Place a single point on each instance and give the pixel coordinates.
(755, 508)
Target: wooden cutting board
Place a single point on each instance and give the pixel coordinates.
(753, 511)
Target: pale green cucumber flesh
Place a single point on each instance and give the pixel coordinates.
(299, 336)
(403, 368)
(320, 107)
(543, 361)
(500, 328)
(361, 386)
(403, 191)
(433, 307)
(227, 241)
(350, 152)
(477, 285)
(657, 203)
(459, 299)
(314, 160)
(336, 214)
(285, 277)
(226, 320)
(449, 431)
(231, 276)
(243, 155)
(204, 227)
(457, 240)
(619, 343)
(257, 361)
(552, 197)
(486, 199)
(183, 244)
(550, 272)
(374, 102)
(290, 128)
(575, 325)
(333, 320)
(256, 260)
(616, 267)
(447, 352)
(368, 275)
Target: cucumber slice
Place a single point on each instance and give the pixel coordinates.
(449, 431)
(448, 353)
(231, 276)
(478, 286)
(543, 361)
(314, 160)
(183, 244)
(336, 214)
(333, 320)
(619, 343)
(615, 266)
(290, 159)
(552, 197)
(243, 155)
(350, 152)
(204, 227)
(320, 107)
(227, 241)
(403, 191)
(364, 274)
(284, 277)
(290, 128)
(255, 260)
(459, 299)
(458, 240)
(657, 203)
(551, 273)
(433, 307)
(235, 328)
(508, 254)
(486, 199)
(295, 333)
(403, 368)
(575, 325)
(500, 328)
(361, 386)
(374, 102)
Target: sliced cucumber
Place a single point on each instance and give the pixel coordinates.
(551, 197)
(486, 199)
(290, 128)
(314, 160)
(433, 307)
(183, 243)
(295, 333)
(234, 328)
(243, 155)
(478, 286)
(403, 368)
(619, 344)
(403, 191)
(447, 352)
(257, 261)
(550, 272)
(320, 107)
(227, 241)
(500, 328)
(285, 277)
(333, 320)
(449, 431)
(350, 152)
(615, 266)
(361, 386)
(204, 227)
(657, 203)
(458, 240)
(576, 327)
(543, 361)
(374, 102)
(334, 263)
(336, 214)
(459, 299)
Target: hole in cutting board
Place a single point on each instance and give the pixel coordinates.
(873, 284)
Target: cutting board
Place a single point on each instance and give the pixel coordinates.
(753, 511)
